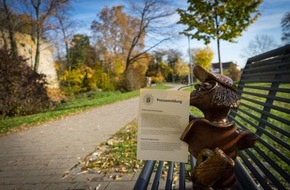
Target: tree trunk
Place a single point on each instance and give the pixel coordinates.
(218, 42)
(36, 59)
(219, 56)
(13, 43)
(37, 54)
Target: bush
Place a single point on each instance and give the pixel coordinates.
(22, 90)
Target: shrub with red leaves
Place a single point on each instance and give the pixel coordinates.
(22, 90)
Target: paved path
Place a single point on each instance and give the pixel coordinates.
(37, 158)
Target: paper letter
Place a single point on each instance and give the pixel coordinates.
(163, 115)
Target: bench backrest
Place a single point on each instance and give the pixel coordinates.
(264, 89)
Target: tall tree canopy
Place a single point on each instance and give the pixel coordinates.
(114, 30)
(218, 19)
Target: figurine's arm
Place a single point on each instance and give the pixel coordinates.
(248, 139)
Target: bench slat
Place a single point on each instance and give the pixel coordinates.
(284, 174)
(286, 90)
(254, 171)
(145, 175)
(283, 132)
(155, 184)
(264, 169)
(169, 179)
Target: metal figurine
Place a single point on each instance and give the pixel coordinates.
(214, 140)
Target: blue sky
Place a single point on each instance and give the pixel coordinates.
(272, 11)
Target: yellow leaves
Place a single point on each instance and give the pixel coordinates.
(118, 66)
(203, 57)
(118, 154)
(181, 69)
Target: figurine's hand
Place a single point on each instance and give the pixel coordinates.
(211, 166)
(248, 139)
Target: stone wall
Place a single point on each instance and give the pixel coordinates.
(26, 48)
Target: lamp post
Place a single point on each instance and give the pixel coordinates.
(190, 63)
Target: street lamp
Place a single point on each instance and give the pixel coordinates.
(190, 63)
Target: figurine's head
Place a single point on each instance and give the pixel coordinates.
(215, 92)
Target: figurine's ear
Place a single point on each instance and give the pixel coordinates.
(225, 97)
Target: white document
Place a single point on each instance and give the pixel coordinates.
(163, 115)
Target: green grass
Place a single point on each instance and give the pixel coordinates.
(71, 106)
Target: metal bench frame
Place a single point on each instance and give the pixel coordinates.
(265, 77)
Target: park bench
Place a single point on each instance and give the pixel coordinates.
(264, 90)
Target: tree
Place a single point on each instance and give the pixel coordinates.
(234, 72)
(149, 14)
(261, 44)
(173, 56)
(10, 27)
(40, 11)
(285, 24)
(64, 25)
(113, 30)
(203, 57)
(82, 53)
(221, 20)
(157, 68)
(180, 70)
